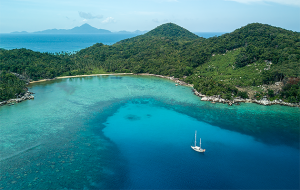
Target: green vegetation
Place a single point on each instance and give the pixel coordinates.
(171, 30)
(35, 65)
(10, 86)
(253, 55)
(291, 90)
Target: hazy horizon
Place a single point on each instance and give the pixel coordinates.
(35, 32)
(132, 15)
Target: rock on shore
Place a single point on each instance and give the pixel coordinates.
(27, 96)
(264, 101)
(217, 98)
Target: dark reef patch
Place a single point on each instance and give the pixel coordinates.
(132, 117)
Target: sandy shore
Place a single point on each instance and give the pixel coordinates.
(64, 77)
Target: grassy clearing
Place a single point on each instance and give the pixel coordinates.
(221, 67)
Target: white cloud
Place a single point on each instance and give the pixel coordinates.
(89, 15)
(285, 2)
(109, 20)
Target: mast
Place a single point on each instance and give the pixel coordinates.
(195, 137)
(200, 143)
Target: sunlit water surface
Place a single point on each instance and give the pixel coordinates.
(135, 132)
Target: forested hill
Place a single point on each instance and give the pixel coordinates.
(171, 30)
(250, 56)
(160, 51)
(166, 54)
(247, 57)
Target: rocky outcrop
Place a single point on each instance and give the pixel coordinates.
(21, 77)
(264, 101)
(218, 99)
(27, 96)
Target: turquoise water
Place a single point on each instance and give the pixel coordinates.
(135, 132)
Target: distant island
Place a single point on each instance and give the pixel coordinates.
(83, 29)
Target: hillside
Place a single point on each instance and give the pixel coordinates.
(35, 65)
(10, 86)
(159, 51)
(251, 56)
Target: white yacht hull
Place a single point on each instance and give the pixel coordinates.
(197, 149)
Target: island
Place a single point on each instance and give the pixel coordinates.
(256, 63)
(83, 29)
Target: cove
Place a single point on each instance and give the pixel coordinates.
(135, 132)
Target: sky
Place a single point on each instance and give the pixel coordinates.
(145, 15)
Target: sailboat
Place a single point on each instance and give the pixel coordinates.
(197, 148)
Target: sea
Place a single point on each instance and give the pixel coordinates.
(59, 43)
(136, 132)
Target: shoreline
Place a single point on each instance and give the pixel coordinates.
(217, 99)
(27, 96)
(76, 76)
(213, 99)
(264, 101)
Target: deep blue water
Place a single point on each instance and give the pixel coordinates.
(135, 132)
(156, 141)
(57, 43)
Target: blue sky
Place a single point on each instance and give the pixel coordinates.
(131, 15)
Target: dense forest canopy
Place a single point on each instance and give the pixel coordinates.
(10, 86)
(253, 55)
(34, 65)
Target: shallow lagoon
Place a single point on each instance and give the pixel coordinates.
(136, 132)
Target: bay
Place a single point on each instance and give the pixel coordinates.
(135, 132)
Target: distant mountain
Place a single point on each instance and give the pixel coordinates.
(140, 32)
(127, 32)
(135, 32)
(83, 29)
